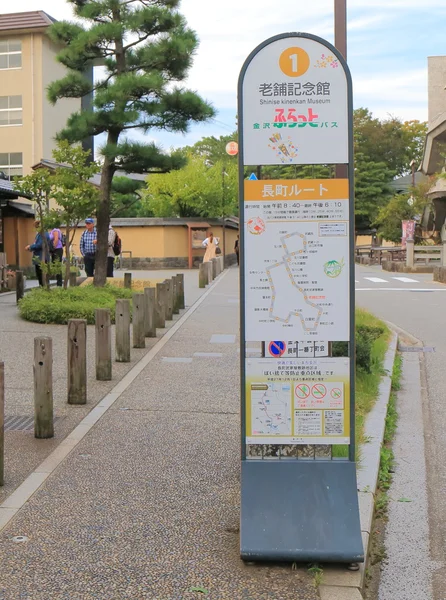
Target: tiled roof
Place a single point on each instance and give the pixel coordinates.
(25, 20)
(7, 190)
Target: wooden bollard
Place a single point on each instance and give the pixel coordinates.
(149, 310)
(139, 340)
(181, 299)
(103, 344)
(20, 285)
(77, 361)
(128, 281)
(202, 275)
(122, 330)
(168, 304)
(73, 279)
(2, 423)
(214, 268)
(175, 307)
(222, 263)
(160, 306)
(209, 272)
(43, 388)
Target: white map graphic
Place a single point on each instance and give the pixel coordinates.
(281, 277)
(297, 282)
(271, 409)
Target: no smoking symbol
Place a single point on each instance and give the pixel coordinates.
(302, 391)
(336, 393)
(319, 391)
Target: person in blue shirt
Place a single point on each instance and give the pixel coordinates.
(88, 246)
(37, 249)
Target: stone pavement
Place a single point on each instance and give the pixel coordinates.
(23, 452)
(146, 505)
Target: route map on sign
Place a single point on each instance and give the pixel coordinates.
(271, 409)
(297, 283)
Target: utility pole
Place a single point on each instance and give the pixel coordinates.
(340, 31)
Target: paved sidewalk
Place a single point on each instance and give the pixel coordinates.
(23, 453)
(147, 503)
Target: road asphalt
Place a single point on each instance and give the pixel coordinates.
(416, 304)
(146, 505)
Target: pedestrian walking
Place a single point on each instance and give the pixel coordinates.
(88, 246)
(37, 248)
(210, 243)
(237, 249)
(56, 251)
(111, 252)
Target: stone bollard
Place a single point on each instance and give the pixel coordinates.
(210, 272)
(128, 281)
(180, 279)
(160, 306)
(122, 330)
(43, 388)
(20, 285)
(149, 310)
(214, 268)
(443, 255)
(222, 263)
(73, 279)
(139, 340)
(202, 275)
(103, 344)
(2, 423)
(169, 300)
(175, 307)
(77, 361)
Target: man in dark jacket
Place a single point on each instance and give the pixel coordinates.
(38, 251)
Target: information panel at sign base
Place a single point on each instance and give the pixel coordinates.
(297, 306)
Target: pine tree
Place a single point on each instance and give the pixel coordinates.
(145, 47)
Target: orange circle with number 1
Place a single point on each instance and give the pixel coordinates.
(294, 62)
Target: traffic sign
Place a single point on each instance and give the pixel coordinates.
(277, 349)
(252, 177)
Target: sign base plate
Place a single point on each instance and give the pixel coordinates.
(300, 511)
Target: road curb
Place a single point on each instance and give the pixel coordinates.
(343, 585)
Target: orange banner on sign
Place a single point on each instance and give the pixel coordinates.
(296, 189)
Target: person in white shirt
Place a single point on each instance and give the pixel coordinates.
(210, 243)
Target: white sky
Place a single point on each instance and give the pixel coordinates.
(388, 45)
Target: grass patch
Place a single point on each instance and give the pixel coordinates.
(372, 339)
(387, 456)
(57, 306)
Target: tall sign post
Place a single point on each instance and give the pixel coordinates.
(297, 305)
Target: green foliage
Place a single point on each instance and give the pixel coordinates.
(400, 208)
(146, 48)
(369, 370)
(126, 198)
(391, 141)
(372, 190)
(383, 149)
(200, 189)
(59, 305)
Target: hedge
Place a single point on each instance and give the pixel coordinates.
(57, 305)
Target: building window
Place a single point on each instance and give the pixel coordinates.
(10, 110)
(11, 164)
(10, 54)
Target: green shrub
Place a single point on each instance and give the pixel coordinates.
(366, 336)
(59, 305)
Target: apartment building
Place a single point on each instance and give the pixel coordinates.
(28, 122)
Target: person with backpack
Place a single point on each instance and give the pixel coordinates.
(56, 245)
(114, 249)
(38, 250)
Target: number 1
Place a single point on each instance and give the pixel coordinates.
(293, 59)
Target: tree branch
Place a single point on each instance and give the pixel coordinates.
(143, 39)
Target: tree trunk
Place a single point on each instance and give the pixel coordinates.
(103, 219)
(67, 256)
